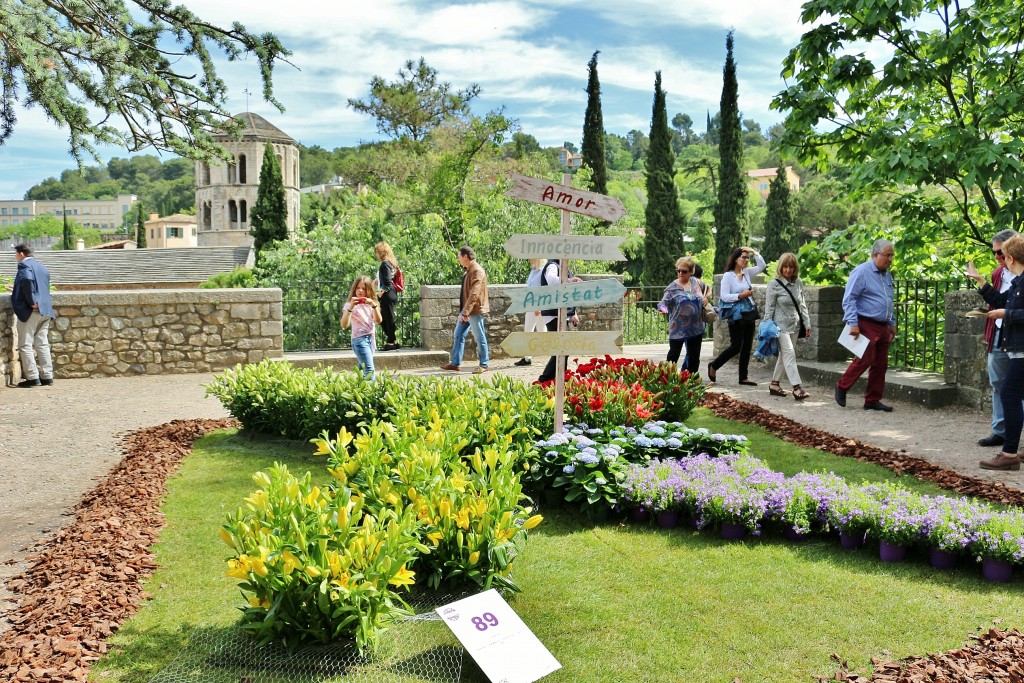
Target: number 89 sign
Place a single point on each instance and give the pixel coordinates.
(502, 645)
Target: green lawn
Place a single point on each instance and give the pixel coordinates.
(614, 602)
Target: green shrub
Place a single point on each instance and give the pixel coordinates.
(239, 278)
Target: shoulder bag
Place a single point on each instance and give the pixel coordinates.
(802, 334)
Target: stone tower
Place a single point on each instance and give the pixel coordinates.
(225, 193)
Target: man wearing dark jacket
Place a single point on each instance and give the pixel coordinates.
(30, 298)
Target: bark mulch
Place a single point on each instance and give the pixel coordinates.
(87, 580)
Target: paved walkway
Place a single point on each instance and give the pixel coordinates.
(59, 441)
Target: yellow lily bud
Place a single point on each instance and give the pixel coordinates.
(474, 557)
(226, 537)
(533, 521)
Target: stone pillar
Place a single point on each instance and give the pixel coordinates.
(966, 355)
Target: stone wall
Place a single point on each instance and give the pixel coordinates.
(151, 332)
(966, 355)
(8, 337)
(439, 312)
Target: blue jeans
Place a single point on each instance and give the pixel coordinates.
(476, 326)
(998, 363)
(363, 348)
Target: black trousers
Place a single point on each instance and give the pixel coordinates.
(741, 341)
(551, 367)
(387, 316)
(675, 347)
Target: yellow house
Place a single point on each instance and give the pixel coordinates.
(570, 160)
(178, 230)
(760, 179)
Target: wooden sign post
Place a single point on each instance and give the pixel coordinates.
(565, 246)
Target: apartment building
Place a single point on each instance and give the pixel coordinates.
(104, 214)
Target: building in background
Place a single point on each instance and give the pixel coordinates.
(178, 230)
(760, 180)
(570, 160)
(225, 193)
(103, 214)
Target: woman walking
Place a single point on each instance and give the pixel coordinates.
(737, 290)
(784, 303)
(362, 312)
(533, 321)
(1009, 306)
(388, 294)
(683, 303)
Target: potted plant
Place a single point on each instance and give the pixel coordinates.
(999, 544)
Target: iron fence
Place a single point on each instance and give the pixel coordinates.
(311, 313)
(921, 323)
(641, 321)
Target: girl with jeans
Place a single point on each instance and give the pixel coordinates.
(362, 312)
(736, 286)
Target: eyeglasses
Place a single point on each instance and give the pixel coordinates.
(743, 256)
(997, 252)
(681, 271)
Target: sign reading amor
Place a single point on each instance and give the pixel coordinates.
(564, 296)
(561, 343)
(576, 247)
(565, 197)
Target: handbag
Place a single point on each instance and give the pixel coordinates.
(747, 309)
(710, 314)
(803, 333)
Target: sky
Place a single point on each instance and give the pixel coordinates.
(527, 56)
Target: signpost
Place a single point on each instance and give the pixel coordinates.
(564, 246)
(566, 197)
(589, 293)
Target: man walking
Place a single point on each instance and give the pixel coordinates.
(998, 361)
(474, 305)
(30, 298)
(868, 310)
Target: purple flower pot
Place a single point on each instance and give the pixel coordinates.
(733, 532)
(668, 519)
(891, 552)
(640, 514)
(851, 540)
(941, 559)
(791, 534)
(999, 571)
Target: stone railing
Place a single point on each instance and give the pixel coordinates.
(150, 332)
(439, 312)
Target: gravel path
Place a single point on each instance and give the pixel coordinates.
(59, 441)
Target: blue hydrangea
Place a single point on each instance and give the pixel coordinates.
(551, 455)
(642, 441)
(674, 443)
(568, 469)
(615, 432)
(589, 458)
(658, 442)
(601, 481)
(652, 428)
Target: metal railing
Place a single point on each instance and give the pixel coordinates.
(311, 313)
(921, 323)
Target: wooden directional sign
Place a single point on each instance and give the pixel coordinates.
(561, 343)
(565, 197)
(588, 293)
(575, 247)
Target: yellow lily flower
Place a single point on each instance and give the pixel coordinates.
(403, 577)
(239, 569)
(474, 557)
(435, 537)
(313, 571)
(344, 438)
(290, 562)
(227, 538)
(322, 448)
(259, 602)
(462, 519)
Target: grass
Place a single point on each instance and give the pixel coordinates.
(614, 602)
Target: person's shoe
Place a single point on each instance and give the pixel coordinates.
(46, 382)
(392, 347)
(480, 370)
(878, 405)
(523, 361)
(991, 440)
(29, 383)
(450, 368)
(840, 397)
(712, 375)
(775, 390)
(1002, 461)
(798, 393)
(749, 383)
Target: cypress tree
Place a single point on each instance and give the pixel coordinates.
(269, 215)
(731, 208)
(665, 230)
(69, 234)
(779, 231)
(140, 227)
(593, 132)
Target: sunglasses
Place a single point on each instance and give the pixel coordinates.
(682, 272)
(997, 252)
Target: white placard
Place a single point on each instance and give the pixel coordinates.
(502, 645)
(858, 345)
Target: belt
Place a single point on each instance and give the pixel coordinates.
(877, 322)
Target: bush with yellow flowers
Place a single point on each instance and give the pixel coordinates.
(314, 566)
(469, 507)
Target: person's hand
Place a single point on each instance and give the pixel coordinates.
(997, 314)
(892, 333)
(575, 278)
(575, 320)
(972, 272)
(854, 331)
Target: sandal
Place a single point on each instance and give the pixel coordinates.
(798, 393)
(711, 372)
(776, 390)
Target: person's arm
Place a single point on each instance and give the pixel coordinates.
(770, 295)
(732, 288)
(759, 264)
(377, 317)
(346, 315)
(385, 276)
(850, 294)
(663, 305)
(474, 297)
(802, 303)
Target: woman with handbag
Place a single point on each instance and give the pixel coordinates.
(739, 310)
(784, 303)
(683, 302)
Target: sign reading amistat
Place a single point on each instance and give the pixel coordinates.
(576, 247)
(566, 197)
(568, 295)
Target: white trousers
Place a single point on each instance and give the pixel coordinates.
(33, 340)
(533, 321)
(787, 359)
